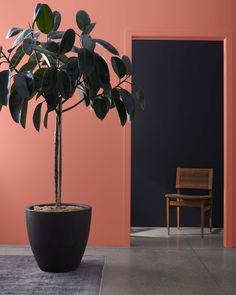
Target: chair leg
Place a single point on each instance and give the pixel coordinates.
(168, 215)
(202, 219)
(210, 216)
(178, 216)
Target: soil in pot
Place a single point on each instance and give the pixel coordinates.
(54, 208)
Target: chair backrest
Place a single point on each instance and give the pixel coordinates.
(194, 178)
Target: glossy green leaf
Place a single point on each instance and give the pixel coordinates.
(107, 46)
(24, 84)
(29, 66)
(118, 66)
(24, 113)
(24, 34)
(43, 50)
(37, 116)
(67, 41)
(101, 107)
(57, 20)
(49, 81)
(115, 94)
(86, 61)
(102, 71)
(56, 34)
(51, 46)
(64, 84)
(4, 86)
(38, 77)
(13, 31)
(49, 87)
(16, 104)
(128, 100)
(17, 57)
(36, 13)
(27, 46)
(52, 99)
(93, 84)
(72, 68)
(128, 64)
(87, 42)
(121, 111)
(89, 28)
(82, 19)
(45, 121)
(45, 19)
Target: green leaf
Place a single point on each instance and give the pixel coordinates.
(4, 86)
(86, 61)
(24, 84)
(38, 77)
(115, 94)
(72, 68)
(118, 66)
(82, 19)
(64, 84)
(101, 107)
(36, 13)
(89, 28)
(102, 71)
(20, 38)
(49, 79)
(45, 121)
(16, 104)
(45, 19)
(57, 20)
(43, 50)
(121, 111)
(87, 42)
(107, 46)
(17, 57)
(37, 116)
(49, 87)
(24, 113)
(67, 41)
(29, 66)
(51, 46)
(13, 31)
(27, 46)
(140, 97)
(56, 34)
(128, 64)
(128, 100)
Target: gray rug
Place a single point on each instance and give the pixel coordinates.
(20, 275)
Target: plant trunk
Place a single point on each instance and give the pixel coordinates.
(58, 154)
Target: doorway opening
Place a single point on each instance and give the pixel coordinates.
(182, 125)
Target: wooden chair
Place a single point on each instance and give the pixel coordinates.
(191, 178)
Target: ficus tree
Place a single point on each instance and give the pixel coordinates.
(50, 67)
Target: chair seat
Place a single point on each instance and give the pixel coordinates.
(188, 197)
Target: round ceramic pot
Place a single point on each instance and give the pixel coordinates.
(58, 239)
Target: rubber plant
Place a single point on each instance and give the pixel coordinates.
(50, 67)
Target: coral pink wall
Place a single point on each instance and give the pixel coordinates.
(97, 154)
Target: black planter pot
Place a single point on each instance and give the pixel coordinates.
(58, 239)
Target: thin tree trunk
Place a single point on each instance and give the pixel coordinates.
(58, 155)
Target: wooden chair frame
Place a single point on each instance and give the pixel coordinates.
(191, 178)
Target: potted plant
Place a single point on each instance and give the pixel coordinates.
(46, 66)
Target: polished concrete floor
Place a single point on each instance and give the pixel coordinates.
(157, 264)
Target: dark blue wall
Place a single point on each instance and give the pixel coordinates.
(182, 125)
